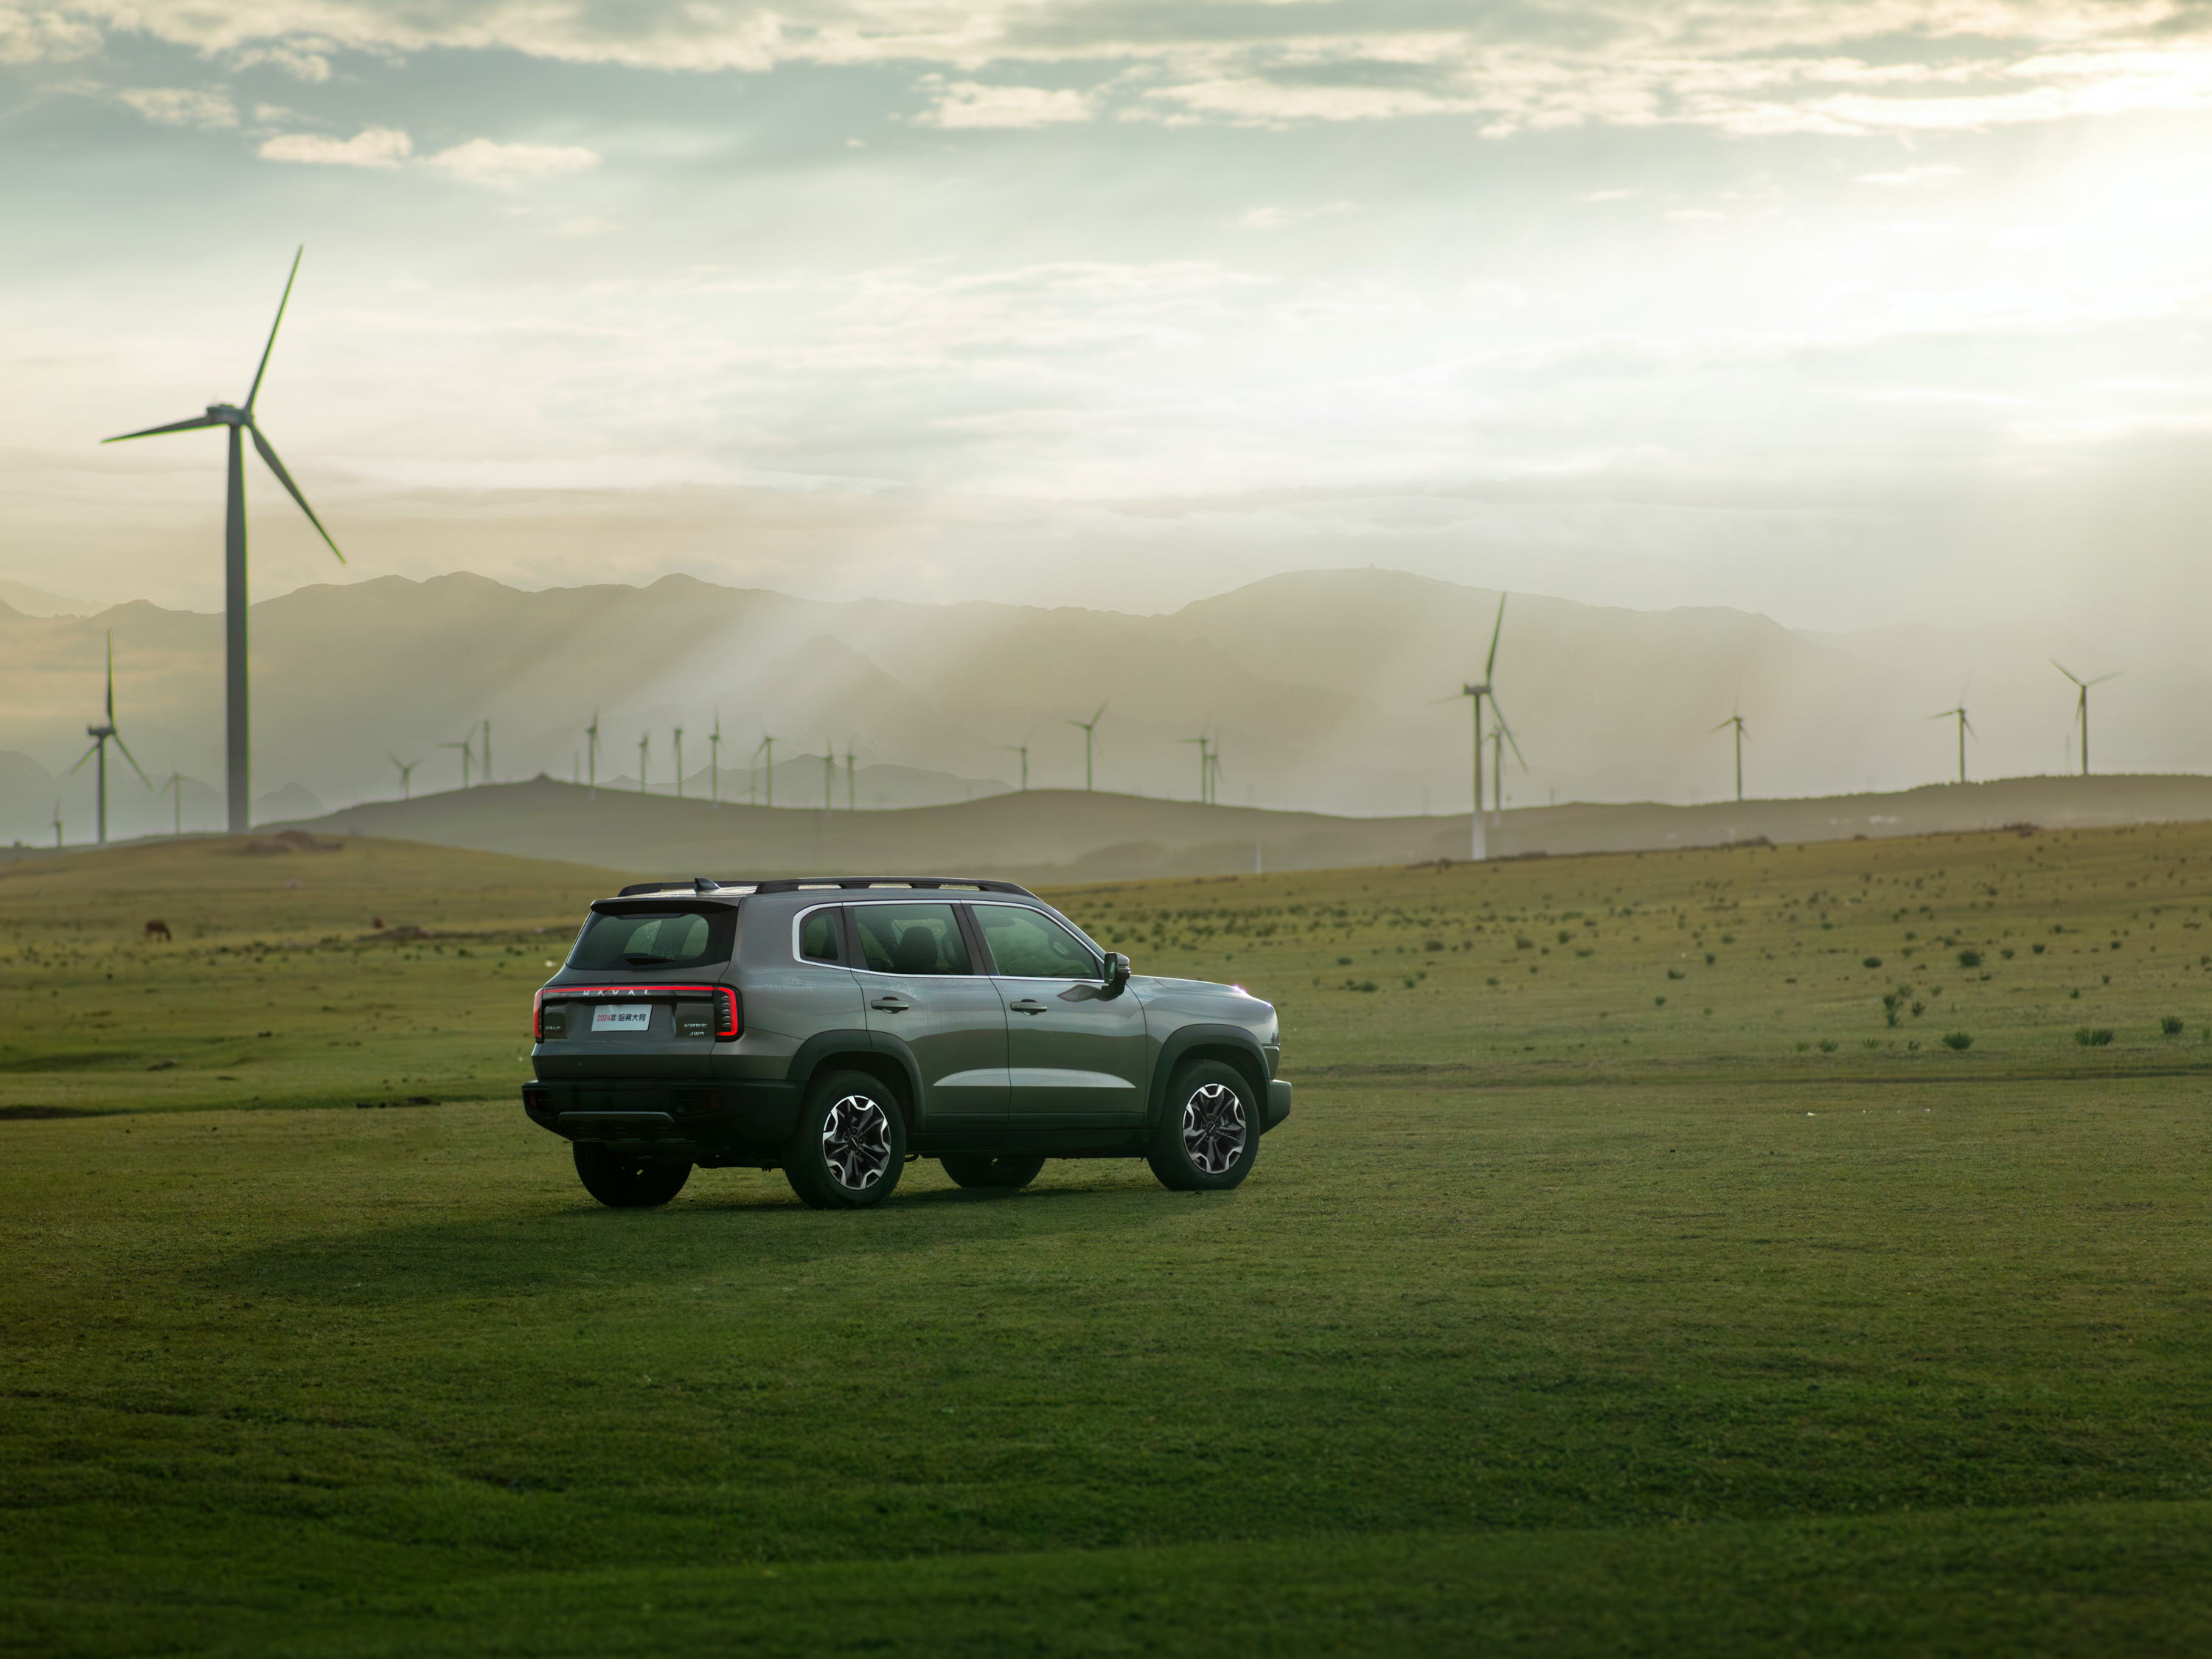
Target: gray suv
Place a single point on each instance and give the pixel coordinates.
(835, 1028)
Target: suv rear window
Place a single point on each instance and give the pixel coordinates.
(653, 937)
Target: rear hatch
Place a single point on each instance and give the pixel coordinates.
(643, 994)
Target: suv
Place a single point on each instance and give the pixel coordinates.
(834, 1027)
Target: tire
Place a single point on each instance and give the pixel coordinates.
(628, 1183)
(1210, 1133)
(985, 1170)
(848, 1148)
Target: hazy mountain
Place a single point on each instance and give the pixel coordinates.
(1328, 691)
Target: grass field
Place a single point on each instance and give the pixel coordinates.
(1559, 1319)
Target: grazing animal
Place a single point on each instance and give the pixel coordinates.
(159, 930)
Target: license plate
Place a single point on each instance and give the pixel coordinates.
(615, 1017)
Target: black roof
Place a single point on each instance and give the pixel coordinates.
(800, 883)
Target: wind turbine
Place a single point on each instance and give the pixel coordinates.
(1736, 720)
(406, 773)
(852, 777)
(2081, 705)
(176, 786)
(592, 752)
(1475, 694)
(1023, 749)
(487, 756)
(1204, 766)
(468, 747)
(100, 734)
(57, 825)
(1965, 726)
(1501, 736)
(679, 762)
(1213, 774)
(768, 744)
(239, 419)
(644, 754)
(1089, 728)
(715, 764)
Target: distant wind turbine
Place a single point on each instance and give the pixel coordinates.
(715, 764)
(679, 762)
(767, 746)
(57, 825)
(175, 786)
(468, 747)
(406, 773)
(644, 755)
(1204, 766)
(828, 774)
(1736, 720)
(1965, 726)
(2081, 705)
(240, 419)
(1475, 694)
(1023, 749)
(100, 736)
(591, 755)
(852, 777)
(1089, 729)
(487, 754)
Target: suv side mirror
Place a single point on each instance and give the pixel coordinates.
(1117, 972)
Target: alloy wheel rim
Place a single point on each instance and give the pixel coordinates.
(856, 1142)
(1213, 1127)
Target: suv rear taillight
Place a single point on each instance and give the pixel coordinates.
(729, 1021)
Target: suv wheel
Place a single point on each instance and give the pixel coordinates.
(628, 1183)
(849, 1146)
(1211, 1131)
(985, 1170)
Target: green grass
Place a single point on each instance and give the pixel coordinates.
(1712, 1346)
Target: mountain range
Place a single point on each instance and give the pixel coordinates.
(1332, 691)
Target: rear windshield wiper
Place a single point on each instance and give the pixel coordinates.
(644, 959)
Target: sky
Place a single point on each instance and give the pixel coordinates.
(1848, 314)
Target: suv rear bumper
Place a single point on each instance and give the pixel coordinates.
(700, 1122)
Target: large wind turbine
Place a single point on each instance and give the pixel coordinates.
(239, 419)
(592, 751)
(767, 746)
(406, 773)
(1965, 726)
(1089, 730)
(2081, 705)
(1736, 720)
(1476, 694)
(99, 735)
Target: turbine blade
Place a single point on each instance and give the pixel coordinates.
(285, 479)
(111, 681)
(192, 425)
(133, 759)
(272, 346)
(1490, 661)
(2102, 678)
(1969, 725)
(1722, 727)
(86, 755)
(1498, 714)
(2062, 669)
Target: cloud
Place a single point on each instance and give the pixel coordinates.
(372, 147)
(181, 107)
(50, 37)
(1274, 218)
(1911, 178)
(483, 161)
(299, 62)
(968, 104)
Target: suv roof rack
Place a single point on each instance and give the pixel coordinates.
(800, 883)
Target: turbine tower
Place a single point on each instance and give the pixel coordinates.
(1205, 767)
(1089, 730)
(2081, 705)
(467, 745)
(1023, 749)
(1475, 694)
(828, 774)
(592, 753)
(99, 735)
(406, 773)
(176, 786)
(1965, 726)
(239, 419)
(679, 762)
(644, 754)
(715, 764)
(767, 746)
(1736, 720)
(852, 777)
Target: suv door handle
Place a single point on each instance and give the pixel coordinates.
(890, 1005)
(1029, 1006)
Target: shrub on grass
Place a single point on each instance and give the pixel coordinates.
(1710, 959)
(1960, 1041)
(2093, 1037)
(1804, 1048)
(1658, 1002)
(1676, 973)
(1891, 1002)
(1871, 962)
(1492, 980)
(1912, 1045)
(1828, 1045)
(1970, 958)
(2171, 1025)
(2005, 953)
(2037, 949)
(1344, 962)
(1522, 942)
(1918, 1009)
(2074, 994)
(1869, 1042)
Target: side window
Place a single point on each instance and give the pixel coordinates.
(1027, 945)
(911, 939)
(820, 937)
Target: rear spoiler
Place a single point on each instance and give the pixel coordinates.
(806, 883)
